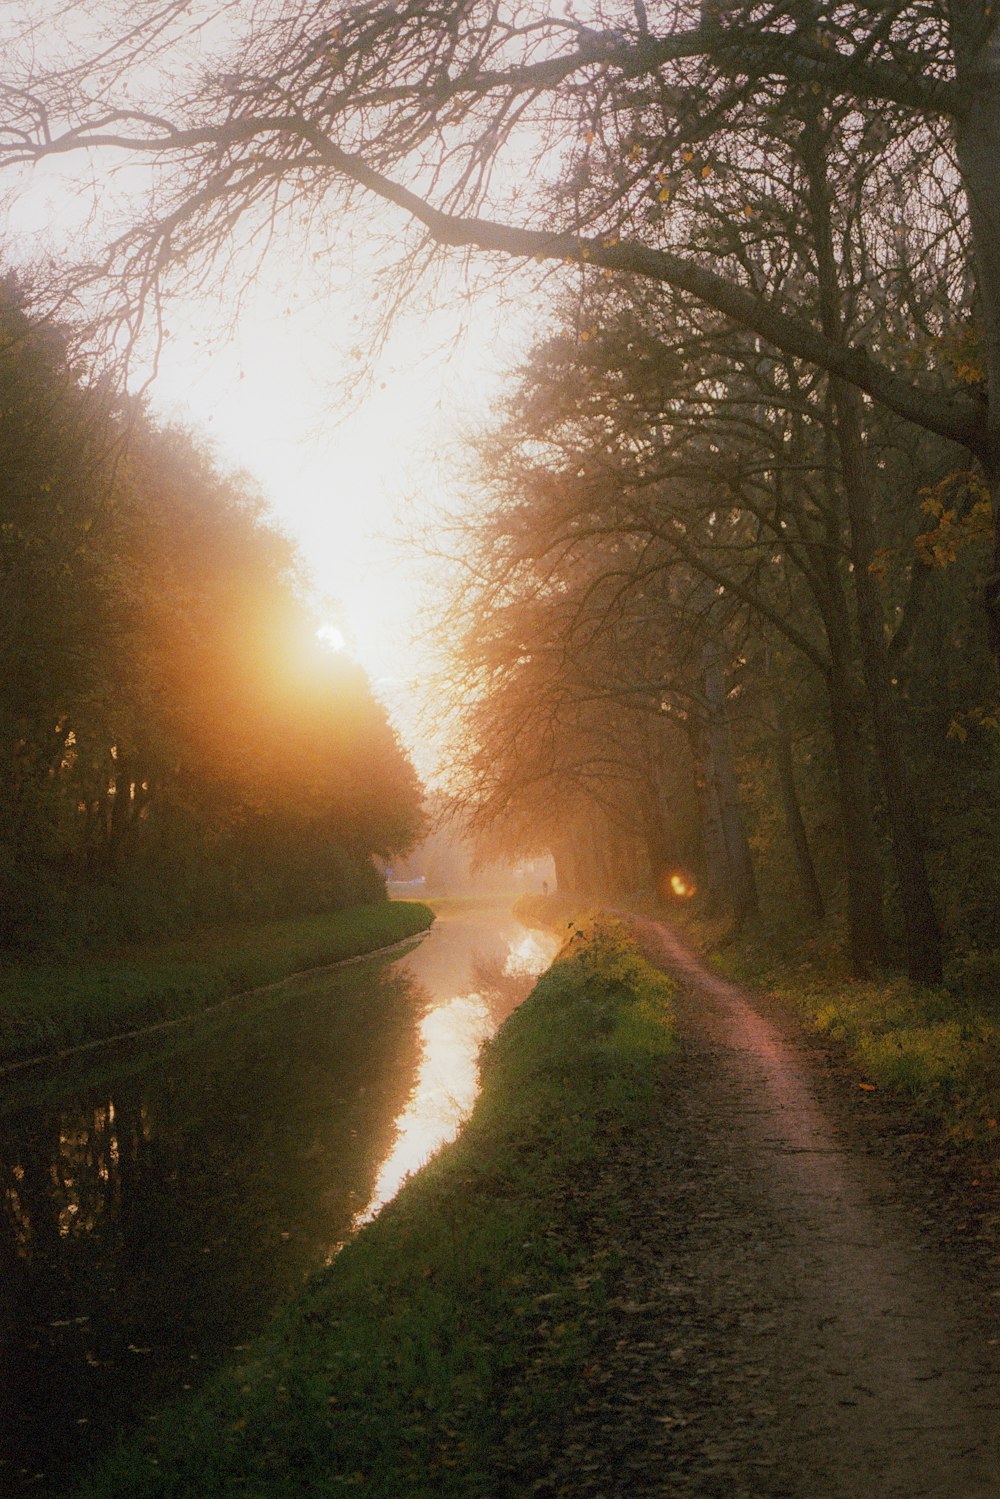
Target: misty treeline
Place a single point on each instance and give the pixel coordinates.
(661, 645)
(748, 495)
(720, 614)
(175, 743)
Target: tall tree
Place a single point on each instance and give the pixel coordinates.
(175, 743)
(446, 111)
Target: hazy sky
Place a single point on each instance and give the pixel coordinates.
(347, 477)
(348, 480)
(344, 477)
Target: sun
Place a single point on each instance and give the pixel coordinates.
(333, 637)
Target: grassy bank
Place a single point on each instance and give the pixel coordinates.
(459, 1322)
(936, 1050)
(47, 1006)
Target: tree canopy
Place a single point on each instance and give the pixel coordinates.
(778, 222)
(175, 743)
(618, 120)
(660, 659)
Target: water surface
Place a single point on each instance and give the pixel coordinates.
(162, 1197)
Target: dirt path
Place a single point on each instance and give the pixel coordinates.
(791, 1323)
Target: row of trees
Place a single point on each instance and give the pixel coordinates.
(780, 231)
(175, 743)
(663, 649)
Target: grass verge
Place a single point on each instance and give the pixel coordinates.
(936, 1050)
(47, 1006)
(456, 1327)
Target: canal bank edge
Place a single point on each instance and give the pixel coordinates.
(53, 1009)
(452, 1331)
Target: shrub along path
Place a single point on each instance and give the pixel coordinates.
(793, 1317)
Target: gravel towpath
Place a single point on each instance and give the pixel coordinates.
(792, 1316)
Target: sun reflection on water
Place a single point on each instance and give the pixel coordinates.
(531, 954)
(442, 1097)
(451, 1036)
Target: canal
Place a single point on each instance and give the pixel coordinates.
(162, 1197)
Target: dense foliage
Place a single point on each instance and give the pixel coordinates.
(662, 670)
(175, 743)
(792, 431)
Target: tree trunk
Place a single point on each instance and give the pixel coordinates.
(597, 834)
(713, 844)
(920, 927)
(922, 934)
(562, 858)
(862, 866)
(805, 869)
(742, 883)
(976, 45)
(658, 830)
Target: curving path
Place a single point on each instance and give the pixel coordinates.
(788, 1321)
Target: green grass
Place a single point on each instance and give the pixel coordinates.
(935, 1049)
(51, 1005)
(456, 1327)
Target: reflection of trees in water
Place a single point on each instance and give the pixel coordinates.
(504, 980)
(173, 1208)
(67, 1173)
(501, 990)
(71, 1180)
(68, 1178)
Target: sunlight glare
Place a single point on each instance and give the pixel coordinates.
(442, 1098)
(331, 636)
(531, 955)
